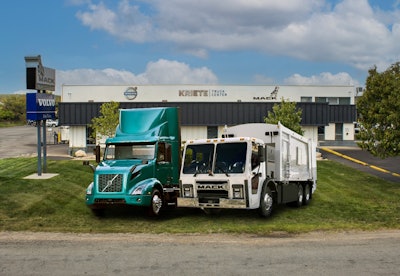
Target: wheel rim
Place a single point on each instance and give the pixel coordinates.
(307, 194)
(268, 201)
(300, 195)
(156, 203)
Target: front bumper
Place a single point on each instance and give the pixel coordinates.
(103, 201)
(223, 203)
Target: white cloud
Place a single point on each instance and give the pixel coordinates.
(174, 72)
(350, 31)
(322, 79)
(158, 72)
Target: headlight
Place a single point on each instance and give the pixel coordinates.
(137, 191)
(237, 191)
(187, 190)
(89, 189)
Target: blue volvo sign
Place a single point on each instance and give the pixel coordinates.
(40, 106)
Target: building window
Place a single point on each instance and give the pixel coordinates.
(333, 100)
(339, 131)
(306, 99)
(321, 133)
(89, 136)
(212, 132)
(344, 100)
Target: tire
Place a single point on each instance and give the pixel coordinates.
(266, 202)
(307, 194)
(156, 203)
(300, 195)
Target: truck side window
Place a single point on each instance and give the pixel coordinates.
(164, 152)
(255, 160)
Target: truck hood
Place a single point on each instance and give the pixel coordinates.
(120, 166)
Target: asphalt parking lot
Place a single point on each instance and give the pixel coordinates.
(21, 141)
(388, 168)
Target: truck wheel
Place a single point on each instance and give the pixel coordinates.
(266, 202)
(307, 194)
(156, 203)
(300, 194)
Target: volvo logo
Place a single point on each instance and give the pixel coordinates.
(131, 93)
(46, 102)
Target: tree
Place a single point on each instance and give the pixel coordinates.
(379, 112)
(107, 122)
(13, 108)
(287, 113)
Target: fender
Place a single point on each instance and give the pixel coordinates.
(148, 186)
(271, 184)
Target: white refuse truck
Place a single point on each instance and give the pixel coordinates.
(253, 166)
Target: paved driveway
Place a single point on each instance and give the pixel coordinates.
(374, 164)
(22, 141)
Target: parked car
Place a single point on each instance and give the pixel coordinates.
(31, 123)
(51, 123)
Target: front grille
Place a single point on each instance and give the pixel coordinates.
(110, 183)
(211, 191)
(211, 196)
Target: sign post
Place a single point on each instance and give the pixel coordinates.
(40, 106)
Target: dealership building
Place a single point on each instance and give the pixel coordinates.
(328, 112)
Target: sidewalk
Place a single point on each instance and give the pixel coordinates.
(61, 152)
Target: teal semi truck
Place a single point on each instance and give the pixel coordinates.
(141, 163)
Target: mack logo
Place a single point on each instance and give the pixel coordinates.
(43, 79)
(46, 102)
(272, 96)
(211, 187)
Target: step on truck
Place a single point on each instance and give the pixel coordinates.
(140, 165)
(253, 166)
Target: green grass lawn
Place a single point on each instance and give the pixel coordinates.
(345, 199)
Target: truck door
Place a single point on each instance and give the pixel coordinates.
(257, 175)
(164, 168)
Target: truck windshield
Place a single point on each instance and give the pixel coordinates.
(230, 158)
(129, 151)
(198, 159)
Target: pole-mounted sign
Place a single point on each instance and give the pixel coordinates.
(39, 77)
(40, 106)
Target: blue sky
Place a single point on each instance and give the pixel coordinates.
(269, 42)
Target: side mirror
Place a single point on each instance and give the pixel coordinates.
(261, 153)
(86, 163)
(97, 153)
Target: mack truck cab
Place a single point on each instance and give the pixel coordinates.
(140, 165)
(253, 166)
